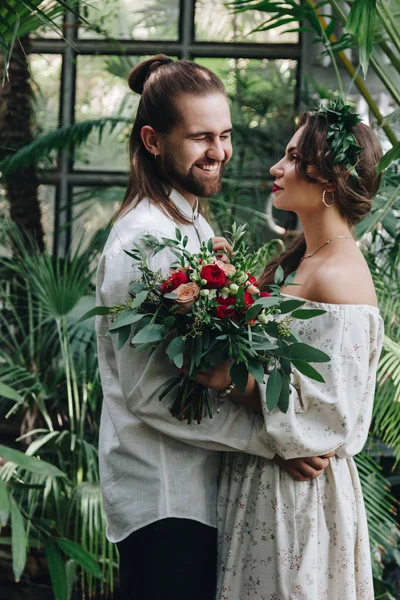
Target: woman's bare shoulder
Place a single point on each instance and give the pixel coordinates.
(343, 279)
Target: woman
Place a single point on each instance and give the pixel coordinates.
(281, 539)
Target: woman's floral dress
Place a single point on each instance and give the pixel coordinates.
(280, 539)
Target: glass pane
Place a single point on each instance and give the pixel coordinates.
(47, 195)
(262, 96)
(92, 210)
(132, 19)
(46, 79)
(102, 92)
(215, 22)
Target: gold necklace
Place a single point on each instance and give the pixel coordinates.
(338, 237)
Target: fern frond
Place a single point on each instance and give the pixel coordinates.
(63, 138)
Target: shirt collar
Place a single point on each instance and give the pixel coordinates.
(183, 205)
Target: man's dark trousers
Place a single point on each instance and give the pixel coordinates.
(171, 559)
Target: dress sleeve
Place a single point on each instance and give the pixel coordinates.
(143, 376)
(335, 415)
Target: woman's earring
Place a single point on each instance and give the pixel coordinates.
(155, 156)
(325, 202)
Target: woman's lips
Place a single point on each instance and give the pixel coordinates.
(276, 188)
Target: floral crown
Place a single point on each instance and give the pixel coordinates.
(341, 140)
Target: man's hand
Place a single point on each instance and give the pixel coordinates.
(304, 469)
(222, 244)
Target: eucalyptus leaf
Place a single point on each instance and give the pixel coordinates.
(308, 370)
(136, 288)
(256, 369)
(290, 278)
(97, 310)
(128, 317)
(308, 353)
(289, 305)
(284, 396)
(240, 376)
(307, 313)
(268, 301)
(123, 336)
(150, 333)
(253, 311)
(279, 275)
(175, 351)
(140, 298)
(169, 321)
(274, 386)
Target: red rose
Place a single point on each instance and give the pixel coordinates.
(222, 310)
(248, 299)
(174, 281)
(264, 294)
(252, 280)
(214, 276)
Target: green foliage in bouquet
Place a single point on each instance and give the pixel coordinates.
(209, 311)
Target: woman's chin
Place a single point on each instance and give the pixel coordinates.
(281, 204)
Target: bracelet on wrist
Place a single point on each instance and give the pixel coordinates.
(224, 393)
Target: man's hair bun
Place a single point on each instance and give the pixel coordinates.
(140, 74)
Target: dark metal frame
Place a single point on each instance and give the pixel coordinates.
(65, 177)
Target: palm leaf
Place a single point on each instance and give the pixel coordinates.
(379, 504)
(361, 24)
(21, 17)
(64, 138)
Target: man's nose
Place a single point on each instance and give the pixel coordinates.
(216, 150)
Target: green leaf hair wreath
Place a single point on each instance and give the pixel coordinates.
(341, 140)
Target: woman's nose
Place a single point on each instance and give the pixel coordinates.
(276, 170)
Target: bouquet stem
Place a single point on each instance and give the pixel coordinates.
(192, 401)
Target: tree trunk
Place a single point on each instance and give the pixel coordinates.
(15, 132)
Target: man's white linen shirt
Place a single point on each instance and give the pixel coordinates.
(162, 468)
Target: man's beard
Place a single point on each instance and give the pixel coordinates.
(190, 182)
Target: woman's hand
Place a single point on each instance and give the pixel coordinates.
(304, 469)
(217, 378)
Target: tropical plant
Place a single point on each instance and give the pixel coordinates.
(20, 18)
(49, 375)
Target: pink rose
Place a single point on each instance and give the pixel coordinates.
(227, 268)
(187, 293)
(252, 289)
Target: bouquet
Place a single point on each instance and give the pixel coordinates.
(209, 310)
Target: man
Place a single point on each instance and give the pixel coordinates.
(159, 480)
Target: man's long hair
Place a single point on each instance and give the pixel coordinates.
(160, 81)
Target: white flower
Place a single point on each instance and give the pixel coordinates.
(212, 293)
(203, 281)
(233, 289)
(205, 293)
(194, 276)
(224, 292)
(264, 318)
(243, 277)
